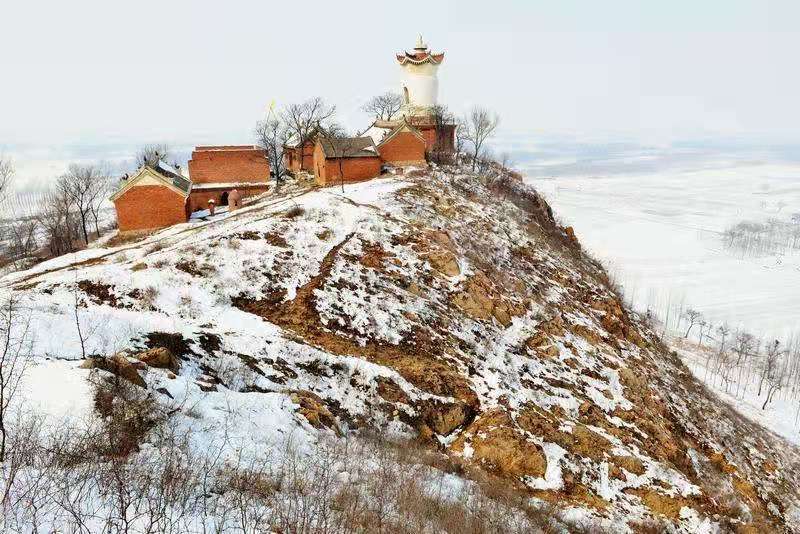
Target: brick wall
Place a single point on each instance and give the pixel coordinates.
(198, 199)
(404, 148)
(292, 158)
(229, 165)
(326, 170)
(144, 207)
(446, 137)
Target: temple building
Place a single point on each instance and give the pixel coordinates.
(154, 197)
(159, 195)
(217, 170)
(349, 159)
(421, 131)
(420, 92)
(221, 177)
(420, 83)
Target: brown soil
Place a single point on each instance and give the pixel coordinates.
(500, 446)
(159, 357)
(481, 300)
(276, 240)
(99, 293)
(314, 409)
(374, 256)
(175, 343)
(191, 267)
(417, 359)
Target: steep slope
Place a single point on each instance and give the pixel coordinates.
(438, 305)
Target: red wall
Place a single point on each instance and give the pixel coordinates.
(229, 165)
(198, 199)
(293, 161)
(404, 148)
(326, 170)
(147, 207)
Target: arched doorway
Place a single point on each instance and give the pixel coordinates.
(223, 200)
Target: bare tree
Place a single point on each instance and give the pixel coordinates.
(97, 197)
(21, 237)
(304, 119)
(705, 328)
(770, 370)
(384, 106)
(15, 355)
(479, 125)
(693, 317)
(6, 175)
(58, 220)
(83, 186)
(461, 139)
(153, 153)
(272, 135)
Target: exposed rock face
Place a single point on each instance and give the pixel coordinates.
(159, 357)
(117, 365)
(497, 444)
(481, 300)
(313, 408)
(444, 262)
(443, 417)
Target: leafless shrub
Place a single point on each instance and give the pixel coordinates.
(149, 296)
(155, 247)
(75, 477)
(295, 212)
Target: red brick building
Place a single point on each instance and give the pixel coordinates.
(154, 197)
(298, 158)
(404, 145)
(159, 196)
(439, 135)
(353, 158)
(216, 170)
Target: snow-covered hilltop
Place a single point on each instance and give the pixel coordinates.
(437, 308)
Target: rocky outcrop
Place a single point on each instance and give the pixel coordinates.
(443, 417)
(314, 410)
(494, 442)
(117, 365)
(160, 358)
(480, 300)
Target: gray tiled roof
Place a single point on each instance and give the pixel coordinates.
(171, 174)
(348, 147)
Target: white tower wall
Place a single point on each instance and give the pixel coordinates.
(420, 86)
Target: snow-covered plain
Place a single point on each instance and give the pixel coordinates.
(655, 217)
(780, 415)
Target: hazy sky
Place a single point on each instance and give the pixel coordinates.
(84, 72)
